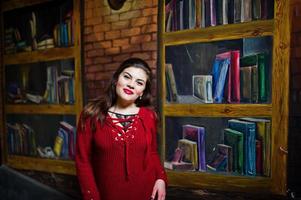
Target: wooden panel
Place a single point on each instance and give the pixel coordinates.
(220, 182)
(40, 109)
(216, 33)
(45, 165)
(39, 56)
(13, 4)
(280, 88)
(218, 110)
(77, 56)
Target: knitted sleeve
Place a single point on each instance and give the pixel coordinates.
(160, 172)
(83, 162)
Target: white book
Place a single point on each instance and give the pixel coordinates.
(202, 88)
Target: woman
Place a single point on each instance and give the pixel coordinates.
(116, 147)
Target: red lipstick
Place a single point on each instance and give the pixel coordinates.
(127, 91)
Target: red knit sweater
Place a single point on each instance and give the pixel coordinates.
(113, 166)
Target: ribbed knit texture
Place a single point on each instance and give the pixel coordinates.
(113, 165)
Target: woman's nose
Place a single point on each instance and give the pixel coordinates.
(130, 85)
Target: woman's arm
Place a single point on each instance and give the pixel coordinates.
(83, 161)
(161, 182)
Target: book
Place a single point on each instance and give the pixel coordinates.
(256, 9)
(260, 60)
(219, 74)
(178, 155)
(232, 83)
(235, 140)
(58, 145)
(65, 145)
(222, 160)
(259, 162)
(190, 151)
(248, 129)
(70, 130)
(197, 134)
(32, 144)
(263, 133)
(246, 10)
(172, 82)
(249, 83)
(202, 88)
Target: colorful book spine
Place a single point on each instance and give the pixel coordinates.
(197, 134)
(235, 140)
(249, 131)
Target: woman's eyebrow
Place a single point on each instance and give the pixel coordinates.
(128, 74)
(138, 79)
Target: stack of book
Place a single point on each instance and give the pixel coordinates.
(190, 152)
(64, 144)
(246, 149)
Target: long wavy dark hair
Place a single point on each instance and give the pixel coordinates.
(97, 108)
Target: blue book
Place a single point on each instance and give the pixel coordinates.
(219, 73)
(249, 131)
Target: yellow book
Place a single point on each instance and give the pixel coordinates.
(58, 144)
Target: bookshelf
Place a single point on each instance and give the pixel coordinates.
(42, 80)
(193, 47)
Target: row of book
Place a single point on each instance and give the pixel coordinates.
(232, 80)
(62, 36)
(22, 140)
(246, 149)
(60, 86)
(182, 14)
(55, 85)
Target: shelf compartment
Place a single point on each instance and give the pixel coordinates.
(41, 109)
(39, 164)
(217, 33)
(218, 110)
(15, 4)
(39, 56)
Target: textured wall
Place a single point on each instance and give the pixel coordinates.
(111, 36)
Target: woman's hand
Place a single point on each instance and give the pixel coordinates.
(159, 190)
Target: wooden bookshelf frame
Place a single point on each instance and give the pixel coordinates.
(277, 110)
(58, 53)
(41, 164)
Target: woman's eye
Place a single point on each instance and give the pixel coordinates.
(140, 83)
(126, 76)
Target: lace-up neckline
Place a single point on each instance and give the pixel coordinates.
(123, 119)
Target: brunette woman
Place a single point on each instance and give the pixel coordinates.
(116, 155)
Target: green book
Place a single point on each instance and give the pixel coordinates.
(235, 139)
(260, 60)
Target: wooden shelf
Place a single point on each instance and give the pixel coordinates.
(216, 33)
(218, 110)
(39, 164)
(39, 56)
(14, 4)
(213, 181)
(40, 109)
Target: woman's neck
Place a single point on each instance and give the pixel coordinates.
(124, 109)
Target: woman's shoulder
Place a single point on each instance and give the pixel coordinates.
(148, 112)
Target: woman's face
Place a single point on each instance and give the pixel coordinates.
(130, 84)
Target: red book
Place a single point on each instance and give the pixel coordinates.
(259, 157)
(235, 76)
